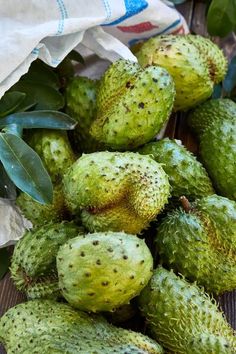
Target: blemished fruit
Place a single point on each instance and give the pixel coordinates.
(116, 191)
(200, 242)
(44, 326)
(33, 266)
(133, 104)
(81, 105)
(183, 318)
(102, 271)
(194, 62)
(55, 151)
(186, 175)
(40, 214)
(215, 124)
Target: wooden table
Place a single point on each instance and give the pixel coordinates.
(194, 12)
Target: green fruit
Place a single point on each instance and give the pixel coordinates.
(55, 151)
(33, 267)
(55, 328)
(215, 122)
(102, 271)
(121, 314)
(133, 105)
(81, 95)
(200, 242)
(40, 214)
(194, 62)
(116, 191)
(183, 318)
(186, 175)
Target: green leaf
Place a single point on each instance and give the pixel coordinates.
(42, 73)
(7, 187)
(221, 17)
(10, 101)
(26, 104)
(45, 96)
(4, 262)
(75, 56)
(25, 168)
(230, 80)
(39, 119)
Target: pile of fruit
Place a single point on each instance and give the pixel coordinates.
(136, 224)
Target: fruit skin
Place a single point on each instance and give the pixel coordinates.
(217, 128)
(102, 271)
(186, 175)
(201, 243)
(44, 326)
(116, 191)
(194, 62)
(133, 105)
(55, 151)
(183, 317)
(33, 266)
(40, 214)
(81, 94)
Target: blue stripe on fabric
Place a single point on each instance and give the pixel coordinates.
(133, 7)
(108, 9)
(35, 51)
(174, 24)
(64, 15)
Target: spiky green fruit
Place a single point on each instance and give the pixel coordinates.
(186, 175)
(116, 191)
(102, 271)
(81, 95)
(194, 62)
(215, 122)
(55, 328)
(40, 214)
(200, 242)
(183, 318)
(33, 266)
(133, 105)
(55, 151)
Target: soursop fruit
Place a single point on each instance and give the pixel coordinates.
(44, 326)
(81, 104)
(102, 271)
(215, 124)
(33, 265)
(194, 62)
(40, 214)
(200, 242)
(183, 318)
(116, 191)
(186, 175)
(133, 104)
(55, 151)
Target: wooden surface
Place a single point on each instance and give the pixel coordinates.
(195, 16)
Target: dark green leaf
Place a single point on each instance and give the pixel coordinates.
(230, 80)
(217, 91)
(65, 69)
(7, 187)
(42, 73)
(10, 101)
(45, 96)
(221, 17)
(26, 104)
(75, 56)
(25, 168)
(39, 119)
(4, 262)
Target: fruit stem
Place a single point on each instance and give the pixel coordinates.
(185, 204)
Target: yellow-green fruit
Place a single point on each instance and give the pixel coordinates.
(81, 105)
(48, 327)
(133, 105)
(33, 266)
(40, 214)
(194, 62)
(102, 271)
(55, 151)
(183, 318)
(116, 191)
(200, 242)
